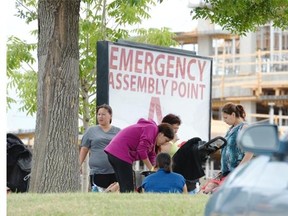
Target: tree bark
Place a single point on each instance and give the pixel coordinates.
(84, 91)
(55, 165)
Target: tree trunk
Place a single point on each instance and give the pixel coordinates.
(55, 156)
(84, 91)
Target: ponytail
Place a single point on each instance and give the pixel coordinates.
(238, 109)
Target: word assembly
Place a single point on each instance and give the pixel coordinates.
(157, 73)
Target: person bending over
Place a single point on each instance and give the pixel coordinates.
(136, 142)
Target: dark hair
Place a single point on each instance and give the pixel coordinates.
(238, 109)
(163, 161)
(171, 119)
(167, 130)
(107, 107)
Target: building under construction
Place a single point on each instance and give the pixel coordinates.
(251, 70)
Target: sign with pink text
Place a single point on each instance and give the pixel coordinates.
(142, 81)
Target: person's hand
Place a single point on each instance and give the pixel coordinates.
(210, 187)
(219, 176)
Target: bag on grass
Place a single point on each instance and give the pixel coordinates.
(19, 161)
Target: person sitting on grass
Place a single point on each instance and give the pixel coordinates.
(164, 180)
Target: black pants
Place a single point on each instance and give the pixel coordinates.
(102, 180)
(123, 172)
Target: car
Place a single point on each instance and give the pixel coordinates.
(260, 186)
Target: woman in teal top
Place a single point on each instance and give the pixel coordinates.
(231, 154)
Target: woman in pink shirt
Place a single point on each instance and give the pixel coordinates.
(136, 142)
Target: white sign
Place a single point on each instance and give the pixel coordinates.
(147, 83)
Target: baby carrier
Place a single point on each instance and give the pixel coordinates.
(191, 156)
(19, 160)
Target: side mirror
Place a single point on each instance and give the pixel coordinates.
(259, 139)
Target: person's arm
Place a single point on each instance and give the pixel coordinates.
(85, 145)
(185, 190)
(83, 154)
(146, 146)
(148, 164)
(248, 156)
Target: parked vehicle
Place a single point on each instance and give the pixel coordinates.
(259, 187)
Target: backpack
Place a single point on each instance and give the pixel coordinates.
(19, 161)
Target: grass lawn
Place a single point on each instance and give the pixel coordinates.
(110, 204)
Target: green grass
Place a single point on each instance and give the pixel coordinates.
(110, 204)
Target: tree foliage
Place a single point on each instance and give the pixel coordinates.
(160, 37)
(242, 16)
(99, 20)
(23, 77)
(26, 10)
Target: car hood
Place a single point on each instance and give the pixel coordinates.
(256, 188)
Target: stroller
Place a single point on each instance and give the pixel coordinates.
(192, 155)
(190, 159)
(19, 161)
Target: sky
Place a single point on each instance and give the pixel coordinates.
(173, 14)
(15, 26)
(170, 13)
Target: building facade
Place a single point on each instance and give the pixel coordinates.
(251, 70)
